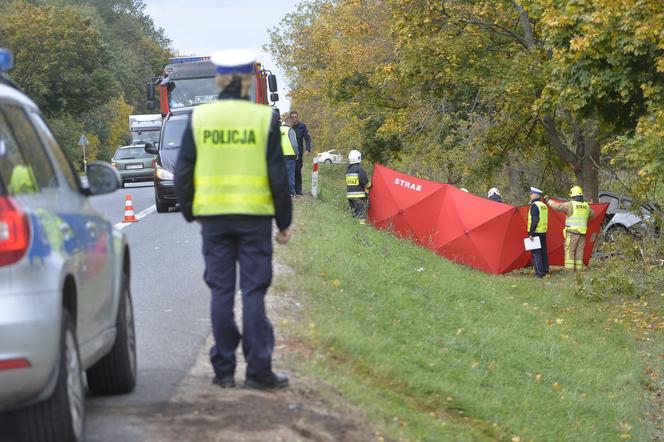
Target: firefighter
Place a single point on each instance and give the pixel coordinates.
(538, 223)
(231, 178)
(357, 186)
(576, 225)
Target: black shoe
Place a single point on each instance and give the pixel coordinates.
(273, 381)
(227, 381)
(299, 194)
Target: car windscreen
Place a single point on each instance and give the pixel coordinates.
(173, 131)
(133, 152)
(145, 136)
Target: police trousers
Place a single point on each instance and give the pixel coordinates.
(247, 242)
(541, 256)
(575, 244)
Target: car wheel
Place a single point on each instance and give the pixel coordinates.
(61, 417)
(115, 373)
(161, 207)
(328, 161)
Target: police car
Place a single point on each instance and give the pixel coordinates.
(65, 306)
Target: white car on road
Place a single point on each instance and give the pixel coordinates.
(331, 157)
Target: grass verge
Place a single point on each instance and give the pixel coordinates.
(432, 350)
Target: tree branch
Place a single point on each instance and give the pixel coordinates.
(524, 21)
(554, 137)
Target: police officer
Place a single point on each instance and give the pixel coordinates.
(576, 225)
(288, 149)
(231, 177)
(538, 223)
(357, 185)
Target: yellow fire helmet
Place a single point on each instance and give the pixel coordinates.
(576, 191)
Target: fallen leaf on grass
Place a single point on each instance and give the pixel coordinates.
(538, 377)
(556, 386)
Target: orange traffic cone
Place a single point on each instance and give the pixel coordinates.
(129, 211)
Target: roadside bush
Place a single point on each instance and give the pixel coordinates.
(633, 268)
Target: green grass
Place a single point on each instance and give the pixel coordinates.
(450, 353)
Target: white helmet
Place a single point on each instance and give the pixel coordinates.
(354, 156)
(493, 191)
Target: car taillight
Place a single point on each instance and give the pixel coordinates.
(14, 232)
(14, 364)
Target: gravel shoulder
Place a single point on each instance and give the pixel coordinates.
(309, 410)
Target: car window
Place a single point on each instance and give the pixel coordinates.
(625, 204)
(131, 153)
(37, 167)
(173, 132)
(612, 202)
(48, 138)
(15, 173)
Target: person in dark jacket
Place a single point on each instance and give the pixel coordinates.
(357, 186)
(494, 195)
(303, 145)
(231, 177)
(538, 224)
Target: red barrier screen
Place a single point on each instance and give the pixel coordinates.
(462, 227)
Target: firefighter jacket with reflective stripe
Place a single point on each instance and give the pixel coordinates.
(357, 182)
(578, 221)
(231, 174)
(286, 146)
(543, 222)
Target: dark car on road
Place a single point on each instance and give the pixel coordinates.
(134, 164)
(172, 130)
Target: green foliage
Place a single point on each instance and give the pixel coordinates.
(85, 63)
(60, 57)
(485, 92)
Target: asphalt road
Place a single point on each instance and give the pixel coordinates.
(170, 307)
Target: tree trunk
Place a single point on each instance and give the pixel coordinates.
(589, 163)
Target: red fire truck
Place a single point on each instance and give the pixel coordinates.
(188, 81)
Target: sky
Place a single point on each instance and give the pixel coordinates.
(201, 27)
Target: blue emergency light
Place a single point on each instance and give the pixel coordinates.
(188, 59)
(6, 60)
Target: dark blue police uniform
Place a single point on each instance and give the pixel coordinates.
(242, 239)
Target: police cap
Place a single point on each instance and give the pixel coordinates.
(234, 61)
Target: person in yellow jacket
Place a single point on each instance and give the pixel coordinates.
(289, 148)
(231, 177)
(576, 225)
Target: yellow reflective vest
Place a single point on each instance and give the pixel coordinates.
(578, 222)
(543, 223)
(286, 146)
(231, 174)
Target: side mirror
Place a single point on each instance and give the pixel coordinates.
(150, 91)
(102, 178)
(151, 148)
(274, 97)
(272, 82)
(150, 105)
